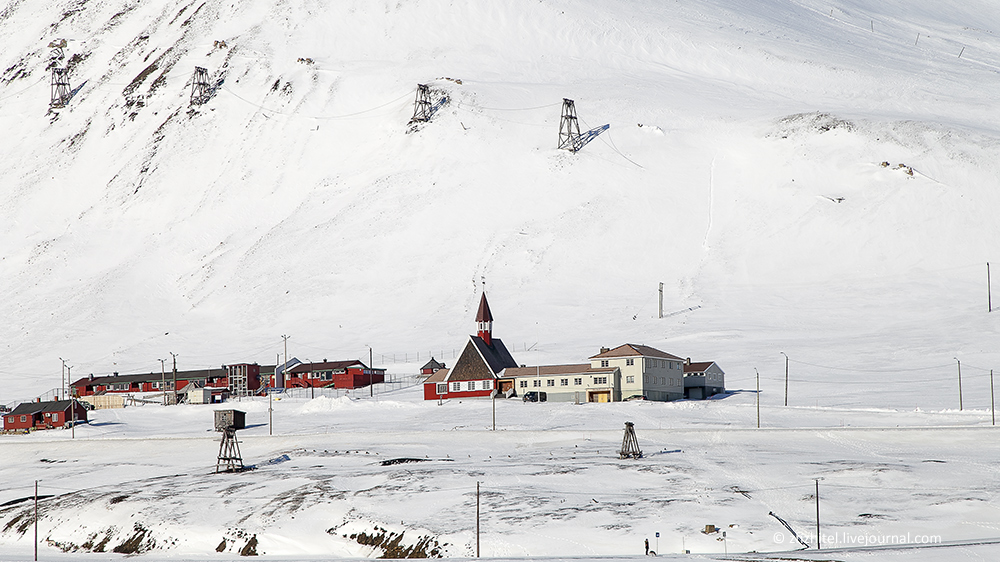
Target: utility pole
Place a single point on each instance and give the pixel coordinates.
(163, 380)
(173, 384)
(72, 408)
(270, 413)
(64, 384)
(993, 403)
(371, 374)
(989, 289)
(786, 377)
(661, 302)
(494, 397)
(36, 518)
(477, 519)
(284, 368)
(819, 540)
(758, 397)
(959, 384)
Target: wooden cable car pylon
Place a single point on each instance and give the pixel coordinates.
(630, 444)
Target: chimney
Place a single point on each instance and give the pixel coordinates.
(605, 350)
(39, 399)
(687, 361)
(116, 373)
(91, 376)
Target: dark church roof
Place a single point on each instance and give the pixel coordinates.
(496, 355)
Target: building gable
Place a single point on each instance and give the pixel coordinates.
(470, 366)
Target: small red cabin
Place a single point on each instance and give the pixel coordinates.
(44, 415)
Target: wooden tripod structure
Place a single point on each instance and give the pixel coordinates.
(630, 445)
(230, 459)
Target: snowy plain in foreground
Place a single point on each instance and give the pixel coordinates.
(551, 482)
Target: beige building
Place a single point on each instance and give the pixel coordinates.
(566, 383)
(645, 371)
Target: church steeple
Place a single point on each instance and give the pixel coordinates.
(484, 321)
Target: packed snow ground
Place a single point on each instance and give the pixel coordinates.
(551, 481)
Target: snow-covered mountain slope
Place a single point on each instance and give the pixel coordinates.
(741, 169)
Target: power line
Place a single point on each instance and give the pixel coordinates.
(327, 117)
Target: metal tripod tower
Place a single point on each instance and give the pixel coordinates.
(230, 459)
(630, 445)
(60, 87)
(422, 105)
(200, 91)
(569, 128)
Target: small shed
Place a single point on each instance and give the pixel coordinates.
(233, 419)
(199, 396)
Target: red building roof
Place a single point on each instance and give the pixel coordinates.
(484, 315)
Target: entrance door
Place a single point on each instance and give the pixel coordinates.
(599, 396)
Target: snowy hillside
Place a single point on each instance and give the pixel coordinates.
(296, 202)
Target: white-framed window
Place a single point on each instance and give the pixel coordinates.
(630, 379)
(326, 376)
(578, 382)
(600, 380)
(536, 383)
(472, 385)
(550, 382)
(563, 382)
(24, 419)
(442, 388)
(629, 362)
(456, 386)
(55, 416)
(604, 363)
(487, 385)
(523, 384)
(10, 419)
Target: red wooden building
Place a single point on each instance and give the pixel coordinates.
(240, 378)
(44, 415)
(432, 367)
(333, 374)
(478, 367)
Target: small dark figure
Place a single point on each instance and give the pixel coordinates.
(647, 547)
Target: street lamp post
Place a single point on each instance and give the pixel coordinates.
(786, 377)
